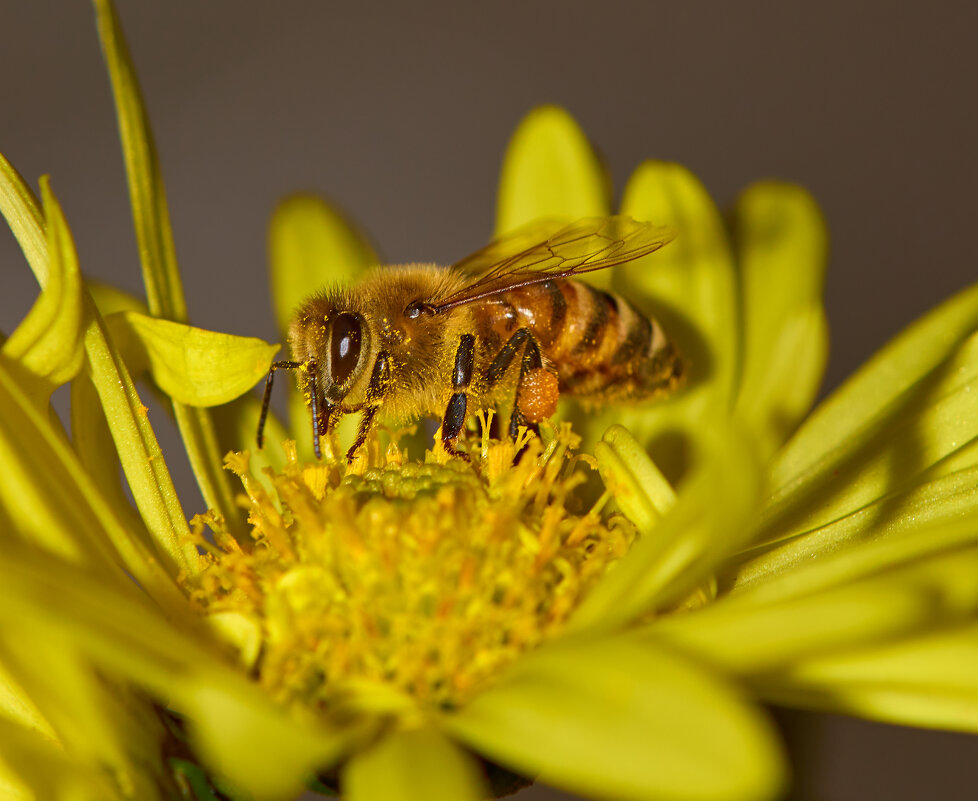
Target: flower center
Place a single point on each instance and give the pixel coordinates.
(425, 577)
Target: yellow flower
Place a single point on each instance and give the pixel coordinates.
(402, 625)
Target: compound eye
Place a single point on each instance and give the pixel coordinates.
(344, 347)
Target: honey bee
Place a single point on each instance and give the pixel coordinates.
(506, 322)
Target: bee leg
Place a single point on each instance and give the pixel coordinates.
(366, 423)
(524, 339)
(380, 383)
(259, 439)
(451, 425)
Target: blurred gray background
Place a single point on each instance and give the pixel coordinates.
(401, 114)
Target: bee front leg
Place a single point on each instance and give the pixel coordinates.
(381, 380)
(532, 359)
(451, 425)
(363, 429)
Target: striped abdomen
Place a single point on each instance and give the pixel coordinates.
(602, 347)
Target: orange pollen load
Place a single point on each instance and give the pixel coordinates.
(538, 395)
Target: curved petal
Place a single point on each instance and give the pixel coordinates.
(623, 720)
(781, 242)
(23, 214)
(412, 765)
(34, 767)
(191, 365)
(549, 170)
(47, 345)
(639, 488)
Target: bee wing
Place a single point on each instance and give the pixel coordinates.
(521, 258)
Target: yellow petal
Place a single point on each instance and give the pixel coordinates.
(139, 451)
(892, 450)
(161, 276)
(909, 409)
(191, 365)
(311, 245)
(240, 733)
(639, 488)
(836, 604)
(549, 170)
(413, 765)
(23, 214)
(147, 195)
(709, 520)
(47, 345)
(781, 243)
(691, 284)
(48, 498)
(690, 288)
(620, 720)
(929, 681)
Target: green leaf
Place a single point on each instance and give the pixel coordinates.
(708, 521)
(311, 245)
(904, 420)
(616, 719)
(47, 345)
(412, 765)
(191, 365)
(151, 219)
(23, 214)
(549, 170)
(782, 248)
(931, 681)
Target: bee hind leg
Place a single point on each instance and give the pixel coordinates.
(454, 419)
(531, 359)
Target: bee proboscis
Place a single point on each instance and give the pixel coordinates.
(507, 322)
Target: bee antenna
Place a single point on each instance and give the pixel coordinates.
(314, 408)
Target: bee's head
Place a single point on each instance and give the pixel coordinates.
(337, 339)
